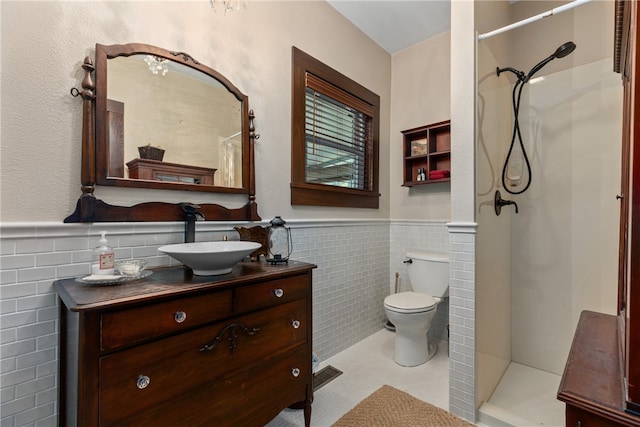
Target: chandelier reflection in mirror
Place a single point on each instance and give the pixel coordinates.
(228, 4)
(157, 65)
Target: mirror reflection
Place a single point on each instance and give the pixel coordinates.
(169, 122)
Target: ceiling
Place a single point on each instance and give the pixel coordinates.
(396, 25)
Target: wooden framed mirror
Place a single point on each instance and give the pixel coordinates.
(160, 119)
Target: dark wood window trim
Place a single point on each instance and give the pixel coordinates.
(303, 193)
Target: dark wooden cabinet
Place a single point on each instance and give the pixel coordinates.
(626, 62)
(178, 349)
(601, 382)
(426, 152)
(170, 172)
(592, 385)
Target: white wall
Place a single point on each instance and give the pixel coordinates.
(44, 44)
(493, 280)
(493, 273)
(419, 96)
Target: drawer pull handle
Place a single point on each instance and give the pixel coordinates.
(295, 372)
(278, 293)
(143, 381)
(295, 324)
(179, 316)
(232, 336)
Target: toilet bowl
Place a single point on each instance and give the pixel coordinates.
(412, 311)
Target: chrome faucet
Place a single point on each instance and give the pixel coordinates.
(191, 215)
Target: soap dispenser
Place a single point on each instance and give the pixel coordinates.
(103, 259)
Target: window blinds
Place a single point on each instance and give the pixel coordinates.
(338, 142)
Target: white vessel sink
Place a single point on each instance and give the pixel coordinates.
(210, 258)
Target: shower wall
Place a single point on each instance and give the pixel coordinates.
(565, 239)
(538, 269)
(493, 257)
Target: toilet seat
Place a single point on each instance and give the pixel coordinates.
(410, 302)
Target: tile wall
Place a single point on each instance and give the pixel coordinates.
(356, 265)
(350, 282)
(462, 359)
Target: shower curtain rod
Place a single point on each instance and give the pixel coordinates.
(534, 18)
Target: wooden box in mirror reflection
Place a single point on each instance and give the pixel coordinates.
(151, 153)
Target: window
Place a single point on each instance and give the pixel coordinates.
(335, 130)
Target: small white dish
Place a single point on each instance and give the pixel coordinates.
(101, 279)
(115, 279)
(130, 267)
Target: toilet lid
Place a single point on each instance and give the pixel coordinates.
(410, 302)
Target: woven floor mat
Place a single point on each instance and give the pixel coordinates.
(390, 407)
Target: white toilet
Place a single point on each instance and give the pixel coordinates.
(411, 312)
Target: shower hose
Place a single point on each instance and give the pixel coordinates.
(516, 95)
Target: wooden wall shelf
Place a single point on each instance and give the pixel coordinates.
(426, 152)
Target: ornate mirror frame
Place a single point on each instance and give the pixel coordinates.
(95, 150)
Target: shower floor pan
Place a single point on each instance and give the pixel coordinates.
(524, 397)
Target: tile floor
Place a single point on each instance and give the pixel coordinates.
(367, 366)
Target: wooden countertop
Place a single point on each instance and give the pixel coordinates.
(168, 281)
(592, 379)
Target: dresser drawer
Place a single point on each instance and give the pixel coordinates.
(250, 399)
(273, 292)
(157, 373)
(124, 327)
(579, 418)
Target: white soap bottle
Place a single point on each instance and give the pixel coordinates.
(103, 259)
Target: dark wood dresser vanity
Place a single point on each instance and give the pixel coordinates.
(177, 349)
(592, 383)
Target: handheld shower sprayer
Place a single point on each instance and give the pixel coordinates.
(562, 51)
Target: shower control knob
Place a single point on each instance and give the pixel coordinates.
(278, 292)
(143, 381)
(179, 316)
(295, 324)
(295, 372)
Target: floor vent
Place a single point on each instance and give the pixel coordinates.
(325, 376)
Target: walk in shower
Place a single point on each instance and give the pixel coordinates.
(537, 269)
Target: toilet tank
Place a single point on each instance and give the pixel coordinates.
(429, 273)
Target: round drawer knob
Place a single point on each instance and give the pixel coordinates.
(295, 324)
(295, 372)
(278, 292)
(143, 381)
(179, 316)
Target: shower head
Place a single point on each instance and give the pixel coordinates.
(564, 50)
(560, 52)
